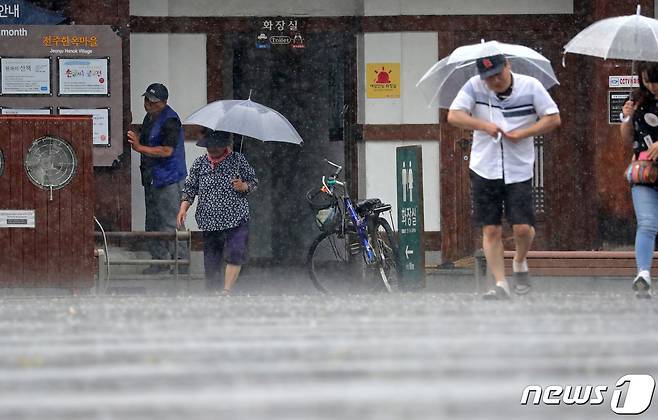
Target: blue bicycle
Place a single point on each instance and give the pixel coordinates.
(356, 250)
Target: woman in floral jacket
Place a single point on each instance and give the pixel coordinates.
(221, 180)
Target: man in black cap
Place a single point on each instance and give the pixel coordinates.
(506, 111)
(163, 169)
(221, 180)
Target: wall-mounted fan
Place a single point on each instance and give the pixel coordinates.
(50, 163)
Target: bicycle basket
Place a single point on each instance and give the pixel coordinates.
(319, 200)
(327, 219)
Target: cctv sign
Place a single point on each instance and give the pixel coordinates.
(623, 81)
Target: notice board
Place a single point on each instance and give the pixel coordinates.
(66, 70)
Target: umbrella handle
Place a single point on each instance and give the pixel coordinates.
(498, 138)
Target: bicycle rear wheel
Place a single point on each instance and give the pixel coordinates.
(386, 249)
(332, 266)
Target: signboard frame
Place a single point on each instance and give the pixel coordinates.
(48, 79)
(64, 90)
(79, 111)
(30, 111)
(73, 41)
(613, 115)
(18, 218)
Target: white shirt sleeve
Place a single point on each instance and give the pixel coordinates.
(465, 99)
(544, 104)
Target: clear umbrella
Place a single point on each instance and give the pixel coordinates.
(633, 37)
(441, 83)
(247, 118)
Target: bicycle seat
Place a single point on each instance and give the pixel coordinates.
(367, 205)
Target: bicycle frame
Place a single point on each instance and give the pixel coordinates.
(361, 224)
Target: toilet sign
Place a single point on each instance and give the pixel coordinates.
(409, 169)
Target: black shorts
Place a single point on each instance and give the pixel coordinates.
(492, 196)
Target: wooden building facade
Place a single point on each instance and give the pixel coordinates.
(585, 202)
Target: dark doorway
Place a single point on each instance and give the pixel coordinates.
(312, 88)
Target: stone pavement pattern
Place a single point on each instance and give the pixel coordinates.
(412, 356)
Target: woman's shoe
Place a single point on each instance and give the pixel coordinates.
(642, 287)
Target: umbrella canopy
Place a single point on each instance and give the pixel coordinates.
(633, 37)
(247, 118)
(441, 83)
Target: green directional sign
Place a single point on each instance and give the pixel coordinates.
(411, 227)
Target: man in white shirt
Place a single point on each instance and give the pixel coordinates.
(506, 111)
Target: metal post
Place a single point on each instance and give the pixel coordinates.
(102, 261)
(176, 257)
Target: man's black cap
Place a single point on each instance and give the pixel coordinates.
(489, 66)
(156, 92)
(215, 139)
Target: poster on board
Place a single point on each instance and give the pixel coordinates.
(25, 76)
(25, 111)
(101, 122)
(83, 76)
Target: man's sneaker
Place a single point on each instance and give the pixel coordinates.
(642, 287)
(521, 282)
(154, 269)
(497, 293)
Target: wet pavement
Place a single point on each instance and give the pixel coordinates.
(271, 356)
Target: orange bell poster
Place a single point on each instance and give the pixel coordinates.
(383, 80)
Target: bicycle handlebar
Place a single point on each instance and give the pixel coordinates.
(332, 180)
(338, 167)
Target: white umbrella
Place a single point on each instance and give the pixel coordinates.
(247, 118)
(633, 37)
(441, 83)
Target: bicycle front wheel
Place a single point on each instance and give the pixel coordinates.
(334, 266)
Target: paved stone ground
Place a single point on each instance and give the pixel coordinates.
(426, 355)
